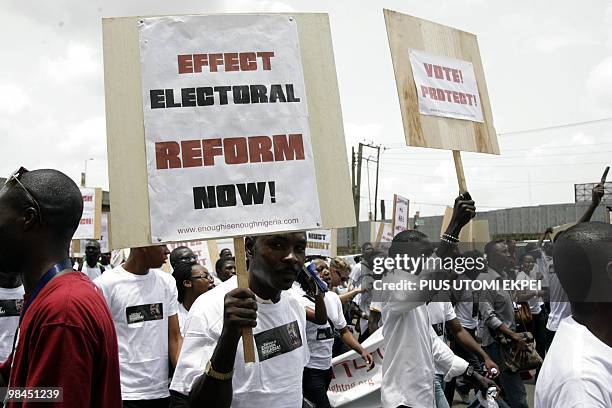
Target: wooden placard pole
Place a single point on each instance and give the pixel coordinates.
(459, 170)
(394, 209)
(379, 233)
(248, 345)
(98, 214)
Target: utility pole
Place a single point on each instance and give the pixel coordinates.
(377, 168)
(357, 193)
(376, 190)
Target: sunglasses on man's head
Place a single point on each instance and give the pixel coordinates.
(15, 177)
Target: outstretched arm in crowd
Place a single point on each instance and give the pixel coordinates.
(350, 341)
(469, 343)
(240, 311)
(174, 339)
(596, 196)
(402, 301)
(348, 296)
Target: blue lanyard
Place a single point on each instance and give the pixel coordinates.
(50, 274)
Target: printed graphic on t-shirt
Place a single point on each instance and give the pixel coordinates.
(144, 313)
(10, 307)
(325, 333)
(438, 328)
(279, 340)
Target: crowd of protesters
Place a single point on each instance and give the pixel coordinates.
(120, 332)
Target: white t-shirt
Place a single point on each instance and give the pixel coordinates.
(543, 263)
(182, 316)
(440, 313)
(410, 353)
(11, 303)
(140, 306)
(577, 370)
(93, 273)
(320, 336)
(464, 308)
(355, 280)
(535, 303)
(275, 379)
(560, 307)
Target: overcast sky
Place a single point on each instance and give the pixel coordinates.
(546, 63)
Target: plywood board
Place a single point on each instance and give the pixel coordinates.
(407, 32)
(125, 131)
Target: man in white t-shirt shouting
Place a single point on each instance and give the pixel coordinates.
(143, 303)
(90, 265)
(411, 351)
(211, 368)
(577, 371)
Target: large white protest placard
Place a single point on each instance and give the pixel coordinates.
(125, 104)
(319, 242)
(89, 226)
(400, 214)
(200, 249)
(104, 237)
(226, 127)
(446, 86)
(351, 380)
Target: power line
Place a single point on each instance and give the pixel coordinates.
(516, 157)
(516, 132)
(399, 161)
(565, 125)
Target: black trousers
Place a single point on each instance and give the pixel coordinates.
(178, 400)
(154, 403)
(315, 384)
(467, 355)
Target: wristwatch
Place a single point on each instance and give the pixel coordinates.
(210, 372)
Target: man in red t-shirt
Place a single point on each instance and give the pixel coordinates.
(66, 337)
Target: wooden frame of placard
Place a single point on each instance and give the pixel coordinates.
(98, 214)
(405, 32)
(126, 139)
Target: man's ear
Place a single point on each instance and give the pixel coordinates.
(187, 283)
(249, 246)
(30, 218)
